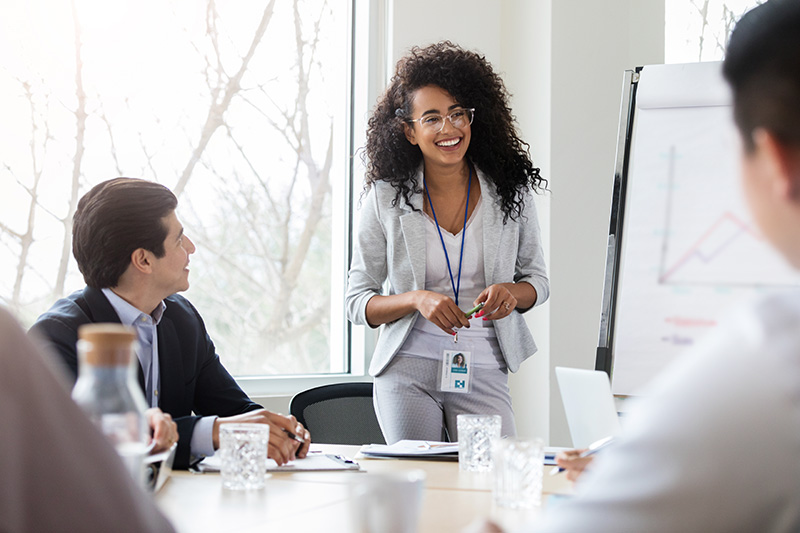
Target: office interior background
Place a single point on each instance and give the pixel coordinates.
(254, 113)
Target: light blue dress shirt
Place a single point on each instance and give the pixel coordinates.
(147, 352)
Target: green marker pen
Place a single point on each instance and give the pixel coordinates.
(474, 310)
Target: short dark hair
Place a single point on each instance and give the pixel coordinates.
(115, 218)
(762, 65)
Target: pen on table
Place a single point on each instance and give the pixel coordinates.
(593, 449)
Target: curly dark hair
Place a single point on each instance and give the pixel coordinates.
(471, 81)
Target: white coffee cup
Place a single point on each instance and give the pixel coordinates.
(387, 502)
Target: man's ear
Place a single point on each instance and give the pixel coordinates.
(781, 163)
(142, 260)
(411, 135)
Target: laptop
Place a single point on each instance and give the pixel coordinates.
(589, 405)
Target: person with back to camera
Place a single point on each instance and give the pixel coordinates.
(715, 445)
(449, 221)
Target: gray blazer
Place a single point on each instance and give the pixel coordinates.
(391, 246)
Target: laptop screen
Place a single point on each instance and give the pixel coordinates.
(589, 405)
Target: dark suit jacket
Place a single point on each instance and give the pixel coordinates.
(193, 380)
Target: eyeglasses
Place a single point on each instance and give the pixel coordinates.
(459, 118)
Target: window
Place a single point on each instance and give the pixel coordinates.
(241, 108)
(698, 30)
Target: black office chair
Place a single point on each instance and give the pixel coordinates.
(340, 413)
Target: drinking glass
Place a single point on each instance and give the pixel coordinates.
(243, 455)
(475, 436)
(518, 465)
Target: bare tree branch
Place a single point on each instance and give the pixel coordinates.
(5, 229)
(703, 11)
(110, 132)
(26, 239)
(77, 158)
(252, 168)
(218, 108)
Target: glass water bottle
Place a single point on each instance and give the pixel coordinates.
(108, 391)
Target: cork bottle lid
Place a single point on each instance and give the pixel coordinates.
(106, 344)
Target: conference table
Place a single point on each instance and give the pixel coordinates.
(299, 502)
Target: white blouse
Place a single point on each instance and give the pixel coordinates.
(425, 339)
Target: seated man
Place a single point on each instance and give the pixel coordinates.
(715, 446)
(57, 471)
(133, 254)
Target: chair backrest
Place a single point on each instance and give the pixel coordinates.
(340, 413)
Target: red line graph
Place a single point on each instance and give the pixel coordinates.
(695, 250)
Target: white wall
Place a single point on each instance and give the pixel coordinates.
(563, 61)
(592, 44)
(525, 64)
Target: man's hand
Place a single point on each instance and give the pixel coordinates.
(164, 432)
(573, 463)
(282, 447)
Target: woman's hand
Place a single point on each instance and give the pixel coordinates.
(441, 310)
(498, 302)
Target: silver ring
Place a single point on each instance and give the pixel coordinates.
(507, 306)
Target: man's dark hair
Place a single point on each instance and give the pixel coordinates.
(762, 65)
(115, 218)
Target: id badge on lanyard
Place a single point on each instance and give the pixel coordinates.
(455, 371)
(456, 365)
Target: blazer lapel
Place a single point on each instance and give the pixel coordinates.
(170, 365)
(492, 227)
(413, 225)
(101, 310)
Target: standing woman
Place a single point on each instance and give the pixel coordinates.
(449, 221)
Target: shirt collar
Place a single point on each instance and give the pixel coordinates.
(128, 314)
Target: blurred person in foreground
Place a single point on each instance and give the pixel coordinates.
(57, 471)
(715, 446)
(134, 256)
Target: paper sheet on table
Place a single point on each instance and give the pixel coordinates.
(412, 448)
(313, 462)
(434, 449)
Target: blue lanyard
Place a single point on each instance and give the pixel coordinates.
(456, 287)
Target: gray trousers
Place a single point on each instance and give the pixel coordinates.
(409, 406)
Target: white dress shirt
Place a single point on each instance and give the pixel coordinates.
(714, 445)
(202, 444)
